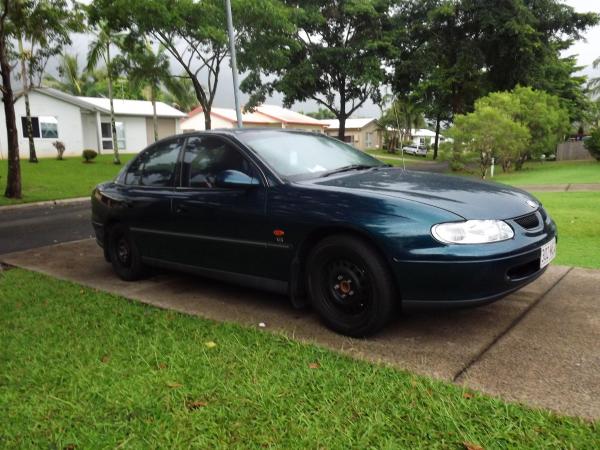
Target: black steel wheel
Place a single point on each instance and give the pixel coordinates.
(350, 285)
(123, 254)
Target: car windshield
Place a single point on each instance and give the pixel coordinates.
(301, 156)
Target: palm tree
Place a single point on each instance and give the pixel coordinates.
(100, 50)
(180, 93)
(404, 114)
(594, 83)
(148, 70)
(72, 79)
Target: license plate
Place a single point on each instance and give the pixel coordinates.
(548, 253)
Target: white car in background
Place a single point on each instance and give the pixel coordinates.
(417, 150)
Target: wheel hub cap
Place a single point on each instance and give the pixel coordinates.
(347, 286)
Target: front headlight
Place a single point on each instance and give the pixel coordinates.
(472, 232)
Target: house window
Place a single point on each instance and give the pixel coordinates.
(107, 135)
(45, 127)
(369, 140)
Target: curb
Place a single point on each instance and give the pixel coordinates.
(66, 201)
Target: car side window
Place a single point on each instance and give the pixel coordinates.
(155, 166)
(207, 156)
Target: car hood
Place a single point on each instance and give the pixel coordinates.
(465, 197)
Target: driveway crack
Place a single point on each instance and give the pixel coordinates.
(460, 374)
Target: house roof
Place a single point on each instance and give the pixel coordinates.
(133, 107)
(422, 132)
(264, 114)
(230, 116)
(351, 124)
(63, 96)
(287, 115)
(121, 107)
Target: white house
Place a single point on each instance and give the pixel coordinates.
(424, 136)
(361, 133)
(84, 122)
(270, 116)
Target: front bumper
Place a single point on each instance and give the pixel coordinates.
(99, 231)
(446, 284)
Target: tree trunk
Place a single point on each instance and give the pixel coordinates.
(13, 179)
(520, 161)
(202, 100)
(113, 126)
(342, 127)
(436, 143)
(154, 116)
(207, 121)
(29, 124)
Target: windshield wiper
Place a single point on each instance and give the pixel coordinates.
(348, 169)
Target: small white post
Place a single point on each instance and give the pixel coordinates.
(492, 168)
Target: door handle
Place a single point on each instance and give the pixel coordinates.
(181, 209)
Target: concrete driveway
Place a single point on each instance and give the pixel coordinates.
(539, 346)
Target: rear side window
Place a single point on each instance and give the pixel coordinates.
(155, 166)
(206, 157)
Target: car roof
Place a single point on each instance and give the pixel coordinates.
(241, 131)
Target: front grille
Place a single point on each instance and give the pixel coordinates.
(529, 222)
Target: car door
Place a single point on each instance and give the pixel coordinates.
(149, 186)
(222, 228)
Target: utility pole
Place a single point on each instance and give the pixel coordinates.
(236, 93)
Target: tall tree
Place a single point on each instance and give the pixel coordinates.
(451, 52)
(328, 52)
(11, 10)
(147, 69)
(435, 59)
(193, 33)
(42, 31)
(100, 49)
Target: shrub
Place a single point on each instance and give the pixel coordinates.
(60, 149)
(592, 143)
(88, 155)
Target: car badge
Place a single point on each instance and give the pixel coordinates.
(532, 204)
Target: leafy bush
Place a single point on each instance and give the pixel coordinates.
(60, 149)
(88, 155)
(492, 134)
(592, 143)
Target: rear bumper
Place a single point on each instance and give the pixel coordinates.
(455, 284)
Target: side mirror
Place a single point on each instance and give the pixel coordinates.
(235, 179)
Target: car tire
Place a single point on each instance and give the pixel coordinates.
(350, 286)
(124, 254)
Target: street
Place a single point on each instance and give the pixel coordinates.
(29, 227)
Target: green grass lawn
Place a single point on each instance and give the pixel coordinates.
(51, 179)
(552, 172)
(577, 215)
(85, 369)
(393, 158)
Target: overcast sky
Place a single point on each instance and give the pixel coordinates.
(587, 50)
